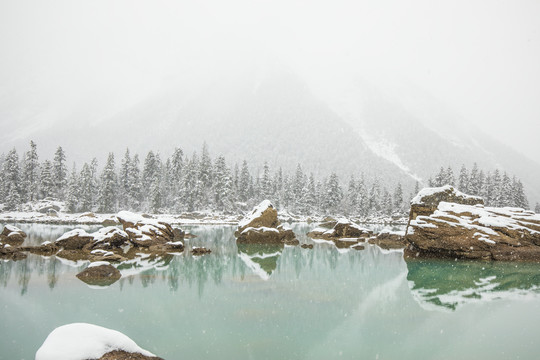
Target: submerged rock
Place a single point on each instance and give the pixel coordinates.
(262, 226)
(197, 251)
(471, 231)
(99, 273)
(8, 252)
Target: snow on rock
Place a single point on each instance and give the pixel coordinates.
(145, 232)
(81, 341)
(262, 226)
(470, 231)
(343, 228)
(12, 235)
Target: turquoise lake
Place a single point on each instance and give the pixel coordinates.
(264, 302)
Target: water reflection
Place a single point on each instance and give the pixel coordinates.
(438, 284)
(259, 258)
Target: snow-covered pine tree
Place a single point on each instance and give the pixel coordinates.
(440, 178)
(11, 175)
(519, 198)
(46, 179)
(135, 186)
(222, 185)
(463, 182)
(506, 191)
(375, 197)
(537, 208)
(449, 178)
(31, 173)
(109, 184)
(73, 192)
(191, 185)
(298, 186)
(310, 195)
(244, 182)
(496, 199)
(124, 181)
(266, 183)
(334, 194)
(205, 177)
(85, 186)
(475, 186)
(387, 205)
(59, 173)
(398, 198)
(362, 196)
(352, 196)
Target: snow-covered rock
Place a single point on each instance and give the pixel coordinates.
(262, 226)
(475, 232)
(12, 235)
(342, 228)
(144, 231)
(81, 341)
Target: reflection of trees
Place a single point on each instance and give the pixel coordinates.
(449, 284)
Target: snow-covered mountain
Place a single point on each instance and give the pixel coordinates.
(349, 127)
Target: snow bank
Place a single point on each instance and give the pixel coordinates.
(81, 341)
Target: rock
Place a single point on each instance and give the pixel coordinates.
(8, 252)
(109, 222)
(168, 247)
(109, 238)
(87, 214)
(12, 235)
(341, 229)
(145, 232)
(49, 208)
(464, 231)
(262, 226)
(45, 249)
(200, 251)
(345, 243)
(307, 246)
(99, 255)
(73, 255)
(427, 200)
(358, 247)
(178, 233)
(123, 355)
(74, 240)
(389, 240)
(99, 273)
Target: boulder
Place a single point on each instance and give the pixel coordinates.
(465, 231)
(262, 226)
(200, 251)
(99, 273)
(75, 239)
(342, 228)
(145, 232)
(8, 252)
(426, 201)
(124, 355)
(12, 235)
(47, 248)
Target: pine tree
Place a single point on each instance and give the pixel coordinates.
(73, 192)
(59, 173)
(46, 179)
(449, 178)
(222, 185)
(363, 197)
(475, 185)
(177, 168)
(506, 191)
(463, 183)
(205, 177)
(298, 186)
(537, 208)
(244, 183)
(124, 180)
(31, 173)
(375, 197)
(352, 196)
(86, 188)
(191, 184)
(310, 195)
(440, 179)
(520, 200)
(266, 183)
(387, 202)
(496, 189)
(11, 177)
(135, 186)
(108, 190)
(398, 198)
(334, 194)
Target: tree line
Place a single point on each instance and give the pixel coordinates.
(199, 182)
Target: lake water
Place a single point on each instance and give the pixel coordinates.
(254, 302)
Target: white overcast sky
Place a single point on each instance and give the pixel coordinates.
(481, 58)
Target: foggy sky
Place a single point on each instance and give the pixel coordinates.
(86, 60)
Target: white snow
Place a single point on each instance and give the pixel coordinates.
(74, 232)
(433, 190)
(13, 228)
(80, 341)
(98, 263)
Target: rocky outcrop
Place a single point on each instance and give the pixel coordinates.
(99, 273)
(262, 226)
(144, 231)
(124, 355)
(428, 199)
(197, 251)
(8, 252)
(468, 230)
(12, 235)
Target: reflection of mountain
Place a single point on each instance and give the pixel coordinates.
(259, 258)
(448, 284)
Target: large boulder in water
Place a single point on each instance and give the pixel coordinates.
(81, 341)
(262, 226)
(343, 228)
(471, 231)
(12, 235)
(75, 239)
(145, 232)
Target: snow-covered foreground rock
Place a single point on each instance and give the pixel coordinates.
(262, 226)
(464, 228)
(81, 341)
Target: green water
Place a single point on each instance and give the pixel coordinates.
(281, 303)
